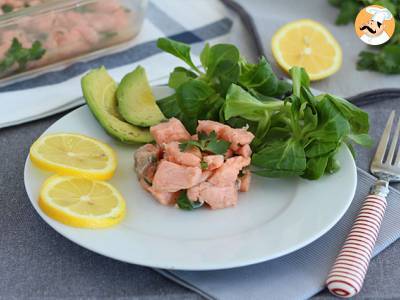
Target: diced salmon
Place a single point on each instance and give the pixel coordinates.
(215, 196)
(193, 193)
(174, 154)
(228, 154)
(106, 6)
(44, 23)
(171, 177)
(244, 151)
(165, 198)
(195, 151)
(245, 181)
(195, 137)
(205, 175)
(146, 158)
(104, 22)
(227, 174)
(89, 34)
(170, 131)
(236, 136)
(207, 126)
(121, 19)
(8, 36)
(213, 161)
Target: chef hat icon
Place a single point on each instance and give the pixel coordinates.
(379, 14)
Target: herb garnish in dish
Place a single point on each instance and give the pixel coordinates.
(19, 55)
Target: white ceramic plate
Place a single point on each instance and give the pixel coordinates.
(276, 217)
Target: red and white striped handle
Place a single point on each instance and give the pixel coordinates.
(347, 275)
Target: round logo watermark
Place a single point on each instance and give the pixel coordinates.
(374, 25)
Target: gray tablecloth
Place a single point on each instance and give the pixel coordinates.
(37, 262)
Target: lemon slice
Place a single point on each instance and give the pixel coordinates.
(81, 202)
(308, 44)
(75, 155)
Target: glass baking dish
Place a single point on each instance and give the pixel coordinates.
(36, 35)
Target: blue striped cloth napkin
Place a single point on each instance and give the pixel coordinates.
(59, 90)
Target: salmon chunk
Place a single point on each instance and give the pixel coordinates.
(228, 154)
(215, 196)
(174, 154)
(213, 161)
(236, 136)
(193, 193)
(170, 131)
(228, 173)
(244, 151)
(245, 182)
(209, 126)
(146, 158)
(205, 175)
(195, 151)
(171, 177)
(165, 198)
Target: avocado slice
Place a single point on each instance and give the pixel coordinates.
(99, 91)
(136, 102)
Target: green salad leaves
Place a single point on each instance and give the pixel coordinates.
(296, 132)
(200, 94)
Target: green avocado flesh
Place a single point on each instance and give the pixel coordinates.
(99, 91)
(136, 102)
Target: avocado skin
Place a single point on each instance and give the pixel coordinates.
(136, 102)
(99, 91)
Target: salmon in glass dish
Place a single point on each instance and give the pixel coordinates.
(35, 34)
(209, 168)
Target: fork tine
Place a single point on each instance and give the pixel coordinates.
(380, 151)
(393, 146)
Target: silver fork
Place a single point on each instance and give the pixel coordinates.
(347, 274)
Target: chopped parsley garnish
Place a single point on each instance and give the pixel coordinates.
(208, 143)
(17, 54)
(184, 203)
(203, 165)
(7, 8)
(108, 34)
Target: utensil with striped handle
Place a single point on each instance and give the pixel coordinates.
(347, 274)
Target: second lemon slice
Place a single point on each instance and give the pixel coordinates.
(81, 202)
(308, 44)
(74, 154)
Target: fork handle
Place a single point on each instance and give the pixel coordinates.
(347, 274)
